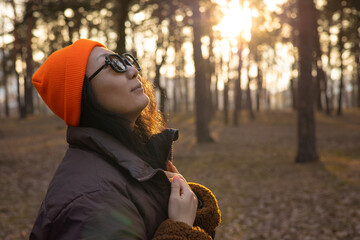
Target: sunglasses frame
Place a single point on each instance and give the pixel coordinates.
(124, 60)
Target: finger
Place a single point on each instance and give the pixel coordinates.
(171, 168)
(170, 175)
(184, 187)
(175, 186)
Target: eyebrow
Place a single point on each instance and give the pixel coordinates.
(101, 55)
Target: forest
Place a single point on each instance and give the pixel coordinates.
(228, 56)
(203, 55)
(287, 68)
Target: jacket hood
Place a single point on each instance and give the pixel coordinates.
(109, 147)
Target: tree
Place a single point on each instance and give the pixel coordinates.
(121, 13)
(321, 79)
(341, 51)
(226, 102)
(343, 16)
(306, 122)
(357, 61)
(354, 36)
(157, 80)
(17, 53)
(226, 89)
(30, 24)
(237, 90)
(248, 96)
(201, 99)
(4, 70)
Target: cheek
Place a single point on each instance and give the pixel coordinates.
(115, 100)
(112, 97)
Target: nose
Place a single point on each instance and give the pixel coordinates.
(132, 72)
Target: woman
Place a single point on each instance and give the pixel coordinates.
(116, 180)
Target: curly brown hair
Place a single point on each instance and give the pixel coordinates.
(151, 120)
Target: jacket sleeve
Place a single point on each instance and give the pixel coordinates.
(171, 230)
(101, 215)
(208, 217)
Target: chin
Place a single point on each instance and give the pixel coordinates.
(145, 101)
(142, 103)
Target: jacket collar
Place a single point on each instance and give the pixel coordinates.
(106, 145)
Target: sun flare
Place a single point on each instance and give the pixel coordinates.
(236, 22)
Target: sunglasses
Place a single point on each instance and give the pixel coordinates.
(118, 63)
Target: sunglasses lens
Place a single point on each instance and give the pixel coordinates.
(131, 61)
(117, 63)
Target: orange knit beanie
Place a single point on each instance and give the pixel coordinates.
(60, 78)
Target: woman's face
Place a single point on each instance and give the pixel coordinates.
(120, 93)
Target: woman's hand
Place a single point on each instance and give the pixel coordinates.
(182, 202)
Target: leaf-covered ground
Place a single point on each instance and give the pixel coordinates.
(262, 193)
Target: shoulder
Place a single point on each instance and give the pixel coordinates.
(82, 176)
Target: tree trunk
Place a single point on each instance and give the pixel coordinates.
(295, 66)
(180, 79)
(209, 96)
(187, 104)
(321, 76)
(306, 122)
(123, 11)
(77, 26)
(157, 86)
(216, 93)
(185, 83)
(329, 82)
(17, 52)
(341, 50)
(226, 103)
(20, 100)
(259, 82)
(64, 6)
(357, 63)
(326, 78)
(209, 73)
(201, 101)
(318, 89)
(175, 87)
(248, 99)
(5, 80)
(325, 90)
(30, 22)
(237, 90)
(293, 94)
(219, 73)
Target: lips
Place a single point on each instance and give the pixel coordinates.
(138, 86)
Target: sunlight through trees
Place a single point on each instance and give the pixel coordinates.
(203, 56)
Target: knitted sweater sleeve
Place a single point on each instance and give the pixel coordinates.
(208, 217)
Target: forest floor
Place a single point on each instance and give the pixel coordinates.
(262, 192)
